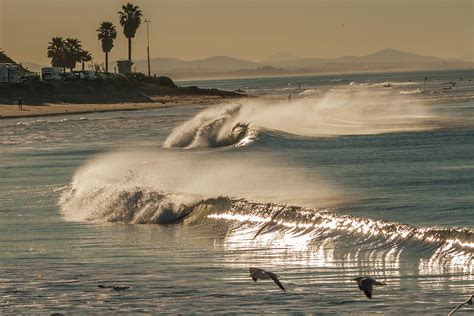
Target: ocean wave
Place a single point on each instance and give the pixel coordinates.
(308, 92)
(46, 122)
(131, 206)
(415, 91)
(257, 204)
(336, 113)
(394, 83)
(212, 128)
(271, 224)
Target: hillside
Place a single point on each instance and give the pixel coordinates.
(111, 89)
(285, 64)
(4, 58)
(278, 57)
(388, 55)
(208, 65)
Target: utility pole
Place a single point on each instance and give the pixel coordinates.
(148, 45)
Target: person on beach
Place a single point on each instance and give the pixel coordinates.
(20, 104)
(289, 98)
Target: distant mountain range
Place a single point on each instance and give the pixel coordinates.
(287, 64)
(34, 67)
(468, 57)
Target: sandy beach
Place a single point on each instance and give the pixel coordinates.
(12, 111)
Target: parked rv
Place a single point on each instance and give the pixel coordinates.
(10, 73)
(51, 73)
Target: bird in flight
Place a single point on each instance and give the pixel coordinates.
(260, 274)
(366, 285)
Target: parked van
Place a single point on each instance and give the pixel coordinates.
(51, 73)
(10, 73)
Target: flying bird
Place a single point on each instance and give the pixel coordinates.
(468, 302)
(366, 284)
(260, 274)
(115, 287)
(272, 220)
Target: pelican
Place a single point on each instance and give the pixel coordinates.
(260, 274)
(366, 284)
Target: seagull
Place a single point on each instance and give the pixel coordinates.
(116, 288)
(260, 274)
(365, 284)
(272, 220)
(468, 302)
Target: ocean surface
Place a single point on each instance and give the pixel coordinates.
(356, 175)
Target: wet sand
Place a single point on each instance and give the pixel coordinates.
(12, 111)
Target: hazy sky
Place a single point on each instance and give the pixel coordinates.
(250, 29)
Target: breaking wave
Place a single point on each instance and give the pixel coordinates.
(415, 91)
(264, 208)
(212, 128)
(269, 224)
(336, 113)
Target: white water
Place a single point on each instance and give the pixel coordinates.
(103, 188)
(338, 112)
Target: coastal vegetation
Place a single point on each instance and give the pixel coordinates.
(107, 33)
(130, 20)
(66, 53)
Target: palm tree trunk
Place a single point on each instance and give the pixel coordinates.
(106, 62)
(83, 66)
(130, 49)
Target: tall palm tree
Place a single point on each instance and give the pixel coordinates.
(85, 57)
(106, 34)
(73, 52)
(56, 51)
(130, 19)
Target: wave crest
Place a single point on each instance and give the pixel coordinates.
(211, 128)
(277, 225)
(336, 113)
(134, 206)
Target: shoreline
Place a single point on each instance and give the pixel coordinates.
(10, 111)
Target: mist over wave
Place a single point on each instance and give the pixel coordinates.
(338, 112)
(261, 202)
(159, 187)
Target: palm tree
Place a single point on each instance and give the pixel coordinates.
(73, 52)
(56, 51)
(85, 57)
(106, 34)
(130, 19)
